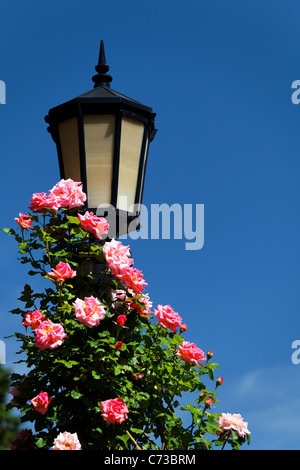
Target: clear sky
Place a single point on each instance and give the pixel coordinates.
(219, 76)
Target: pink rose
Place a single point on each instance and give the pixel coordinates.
(190, 353)
(229, 421)
(33, 319)
(121, 320)
(96, 225)
(89, 311)
(41, 402)
(66, 441)
(117, 256)
(49, 335)
(114, 410)
(167, 317)
(24, 221)
(133, 279)
(41, 202)
(68, 193)
(62, 272)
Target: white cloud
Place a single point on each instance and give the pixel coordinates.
(268, 398)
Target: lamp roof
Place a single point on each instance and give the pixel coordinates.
(102, 93)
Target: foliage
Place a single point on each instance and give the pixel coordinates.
(9, 424)
(137, 361)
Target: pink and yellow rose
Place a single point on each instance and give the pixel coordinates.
(41, 202)
(49, 335)
(68, 193)
(117, 256)
(33, 319)
(228, 421)
(66, 441)
(167, 317)
(96, 225)
(62, 272)
(114, 410)
(24, 220)
(89, 311)
(189, 352)
(133, 279)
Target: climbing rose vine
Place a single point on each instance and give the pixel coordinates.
(103, 369)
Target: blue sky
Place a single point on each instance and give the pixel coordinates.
(218, 75)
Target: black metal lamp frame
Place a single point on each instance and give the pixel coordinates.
(103, 100)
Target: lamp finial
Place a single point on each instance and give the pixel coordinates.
(101, 79)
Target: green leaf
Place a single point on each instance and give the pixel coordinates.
(41, 442)
(68, 364)
(96, 375)
(117, 370)
(137, 430)
(76, 395)
(73, 220)
(212, 424)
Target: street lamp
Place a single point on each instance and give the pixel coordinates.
(102, 139)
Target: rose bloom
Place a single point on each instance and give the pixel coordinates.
(41, 402)
(89, 311)
(167, 317)
(115, 410)
(49, 335)
(121, 320)
(33, 319)
(133, 279)
(190, 353)
(68, 194)
(24, 220)
(96, 225)
(66, 441)
(117, 256)
(62, 272)
(26, 437)
(41, 201)
(118, 345)
(229, 421)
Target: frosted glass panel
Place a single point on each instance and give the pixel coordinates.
(143, 172)
(68, 134)
(132, 132)
(99, 146)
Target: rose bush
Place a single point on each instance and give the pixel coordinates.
(104, 370)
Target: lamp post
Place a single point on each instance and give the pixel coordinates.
(102, 139)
